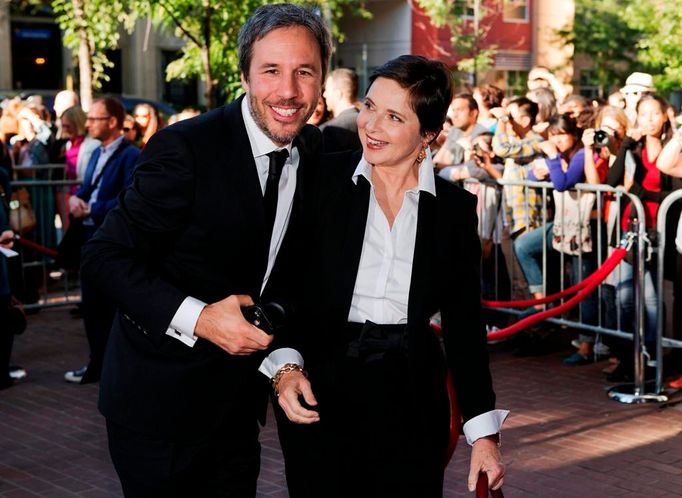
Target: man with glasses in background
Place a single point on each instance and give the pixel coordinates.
(109, 171)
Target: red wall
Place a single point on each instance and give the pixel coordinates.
(429, 41)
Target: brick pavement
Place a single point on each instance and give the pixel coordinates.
(563, 439)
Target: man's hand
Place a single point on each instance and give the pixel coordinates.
(486, 457)
(78, 207)
(291, 386)
(7, 239)
(223, 324)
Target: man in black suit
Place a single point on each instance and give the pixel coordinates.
(341, 95)
(210, 218)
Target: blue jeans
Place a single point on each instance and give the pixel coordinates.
(626, 295)
(528, 250)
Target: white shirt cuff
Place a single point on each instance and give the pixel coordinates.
(277, 359)
(185, 320)
(485, 424)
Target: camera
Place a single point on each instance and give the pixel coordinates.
(601, 139)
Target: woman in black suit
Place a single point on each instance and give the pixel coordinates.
(391, 246)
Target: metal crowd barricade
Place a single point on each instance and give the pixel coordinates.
(636, 393)
(43, 283)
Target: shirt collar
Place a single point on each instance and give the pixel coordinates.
(108, 149)
(261, 145)
(426, 181)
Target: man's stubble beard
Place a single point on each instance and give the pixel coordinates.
(261, 121)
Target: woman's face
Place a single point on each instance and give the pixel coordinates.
(68, 129)
(142, 116)
(388, 127)
(562, 141)
(651, 118)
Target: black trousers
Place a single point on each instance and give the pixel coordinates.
(224, 464)
(376, 438)
(98, 316)
(6, 342)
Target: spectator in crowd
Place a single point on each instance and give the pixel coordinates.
(72, 126)
(489, 99)
(8, 374)
(147, 117)
(321, 114)
(454, 160)
(573, 105)
(645, 143)
(546, 102)
(377, 368)
(341, 94)
(32, 143)
(616, 99)
(9, 123)
(186, 113)
(670, 163)
(210, 224)
(64, 100)
(131, 130)
(517, 145)
(109, 171)
(541, 77)
(564, 165)
(636, 86)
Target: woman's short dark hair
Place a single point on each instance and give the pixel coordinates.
(268, 18)
(428, 84)
(491, 96)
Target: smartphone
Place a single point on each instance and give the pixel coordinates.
(256, 316)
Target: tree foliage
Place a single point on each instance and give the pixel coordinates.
(659, 47)
(467, 37)
(210, 28)
(621, 36)
(600, 31)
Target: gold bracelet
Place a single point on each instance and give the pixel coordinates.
(286, 368)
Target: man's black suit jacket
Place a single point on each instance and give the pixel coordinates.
(192, 224)
(445, 277)
(341, 133)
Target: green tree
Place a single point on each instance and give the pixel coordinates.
(468, 21)
(601, 31)
(210, 30)
(90, 28)
(659, 47)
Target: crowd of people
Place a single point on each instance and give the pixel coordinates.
(85, 144)
(629, 140)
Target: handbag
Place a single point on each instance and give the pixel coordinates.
(571, 232)
(22, 219)
(69, 248)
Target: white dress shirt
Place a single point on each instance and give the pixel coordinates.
(184, 321)
(382, 284)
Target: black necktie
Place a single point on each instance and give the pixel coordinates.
(277, 160)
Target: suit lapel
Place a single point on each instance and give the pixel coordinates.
(357, 198)
(423, 264)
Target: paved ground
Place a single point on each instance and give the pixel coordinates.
(563, 439)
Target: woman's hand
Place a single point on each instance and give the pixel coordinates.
(292, 385)
(635, 134)
(588, 138)
(486, 457)
(7, 239)
(548, 148)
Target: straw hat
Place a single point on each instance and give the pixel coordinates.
(638, 82)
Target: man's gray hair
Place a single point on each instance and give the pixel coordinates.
(268, 18)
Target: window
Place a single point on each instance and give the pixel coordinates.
(464, 8)
(516, 83)
(515, 10)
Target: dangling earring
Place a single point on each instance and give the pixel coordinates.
(422, 154)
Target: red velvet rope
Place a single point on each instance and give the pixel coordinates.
(36, 247)
(553, 297)
(592, 283)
